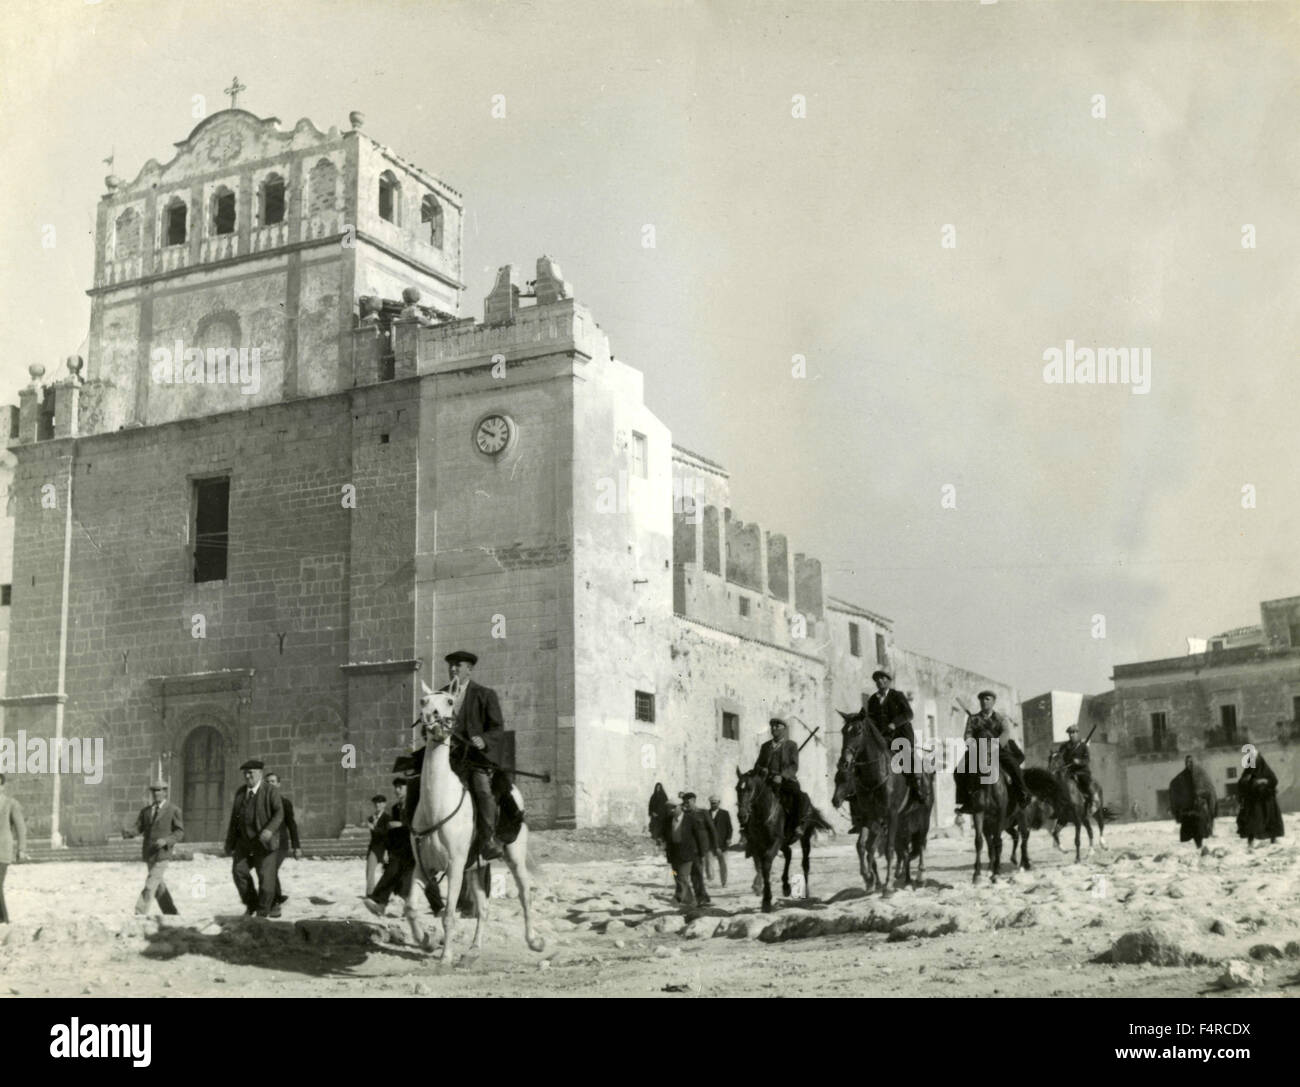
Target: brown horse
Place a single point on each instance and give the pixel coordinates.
(993, 812)
(886, 816)
(762, 823)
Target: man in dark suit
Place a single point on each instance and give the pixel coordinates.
(159, 823)
(687, 843)
(722, 829)
(984, 727)
(477, 716)
(288, 839)
(778, 758)
(253, 839)
(891, 713)
(378, 850)
(711, 835)
(399, 873)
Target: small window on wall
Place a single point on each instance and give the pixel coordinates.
(638, 455)
(388, 196)
(272, 200)
(880, 649)
(1228, 719)
(211, 528)
(645, 707)
(855, 641)
(744, 606)
(223, 212)
(431, 217)
(1295, 634)
(174, 219)
(730, 726)
(6, 595)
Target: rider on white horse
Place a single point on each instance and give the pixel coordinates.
(477, 712)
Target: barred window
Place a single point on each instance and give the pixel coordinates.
(645, 706)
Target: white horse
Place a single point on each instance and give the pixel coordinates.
(442, 829)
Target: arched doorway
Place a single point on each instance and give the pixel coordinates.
(203, 802)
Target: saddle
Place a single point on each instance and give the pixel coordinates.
(510, 812)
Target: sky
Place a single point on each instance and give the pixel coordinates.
(943, 482)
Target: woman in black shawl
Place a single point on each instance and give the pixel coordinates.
(1192, 800)
(1259, 815)
(658, 809)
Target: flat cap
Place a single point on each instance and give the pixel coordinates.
(1073, 728)
(715, 799)
(987, 694)
(777, 721)
(403, 763)
(156, 785)
(688, 796)
(253, 764)
(881, 672)
(461, 655)
(379, 798)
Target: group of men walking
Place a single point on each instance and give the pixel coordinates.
(693, 840)
(262, 832)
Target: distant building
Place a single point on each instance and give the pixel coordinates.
(1243, 688)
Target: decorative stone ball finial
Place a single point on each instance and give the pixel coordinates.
(75, 363)
(37, 371)
(112, 182)
(410, 295)
(356, 118)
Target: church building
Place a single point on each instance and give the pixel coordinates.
(291, 474)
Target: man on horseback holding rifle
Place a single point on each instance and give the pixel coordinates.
(778, 758)
(985, 726)
(891, 713)
(1077, 761)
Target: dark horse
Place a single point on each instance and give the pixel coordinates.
(881, 805)
(1056, 788)
(762, 821)
(993, 812)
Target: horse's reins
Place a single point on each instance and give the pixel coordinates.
(421, 835)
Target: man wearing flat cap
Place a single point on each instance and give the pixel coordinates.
(477, 714)
(891, 713)
(159, 823)
(253, 839)
(778, 758)
(399, 871)
(985, 726)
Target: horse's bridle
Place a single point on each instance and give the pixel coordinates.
(436, 733)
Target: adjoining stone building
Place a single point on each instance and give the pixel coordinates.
(1238, 687)
(292, 476)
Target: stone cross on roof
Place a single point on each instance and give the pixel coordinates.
(234, 91)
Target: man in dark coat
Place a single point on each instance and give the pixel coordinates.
(1193, 803)
(711, 835)
(399, 872)
(778, 759)
(1259, 815)
(1077, 760)
(160, 824)
(986, 726)
(253, 839)
(723, 832)
(687, 843)
(378, 849)
(477, 717)
(288, 840)
(891, 713)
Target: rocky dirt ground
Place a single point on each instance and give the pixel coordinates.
(1148, 917)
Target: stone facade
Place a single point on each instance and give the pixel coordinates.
(402, 482)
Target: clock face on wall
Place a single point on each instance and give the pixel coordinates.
(493, 433)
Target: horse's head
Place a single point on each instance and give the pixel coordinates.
(853, 733)
(748, 787)
(437, 713)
